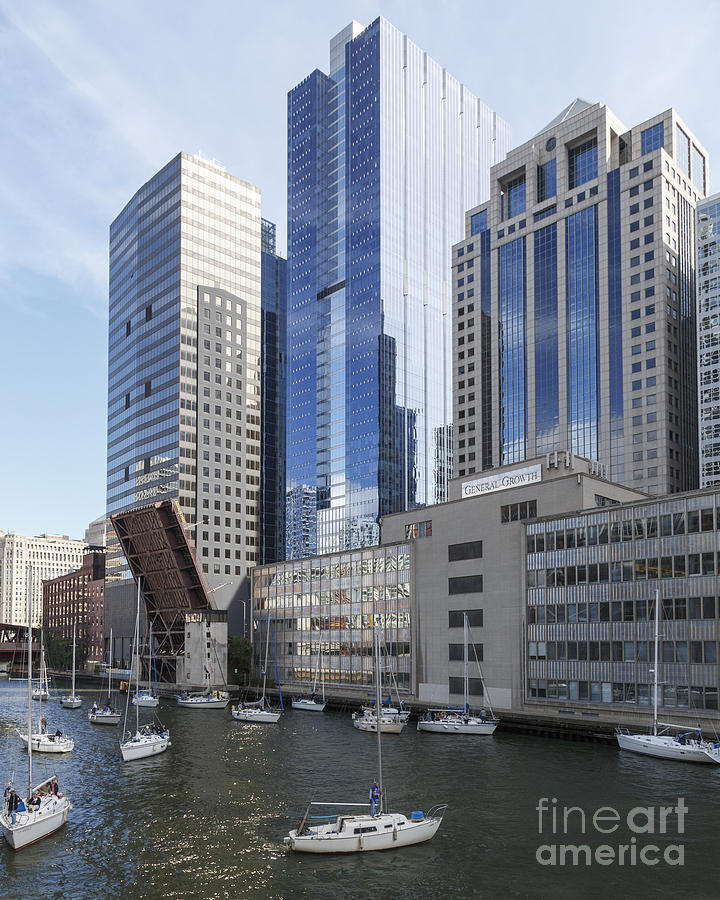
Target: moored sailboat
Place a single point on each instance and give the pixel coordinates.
(41, 690)
(150, 739)
(311, 702)
(451, 720)
(106, 714)
(45, 809)
(72, 701)
(260, 711)
(687, 745)
(378, 829)
(148, 697)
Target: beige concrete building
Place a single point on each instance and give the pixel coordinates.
(574, 302)
(25, 562)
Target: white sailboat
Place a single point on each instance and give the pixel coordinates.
(72, 701)
(685, 746)
(211, 700)
(451, 720)
(351, 832)
(148, 698)
(391, 721)
(41, 691)
(311, 702)
(259, 711)
(106, 714)
(45, 808)
(150, 739)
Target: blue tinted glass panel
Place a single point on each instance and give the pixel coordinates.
(547, 400)
(513, 197)
(486, 403)
(513, 390)
(652, 138)
(683, 150)
(617, 435)
(581, 271)
(698, 169)
(583, 163)
(547, 180)
(478, 222)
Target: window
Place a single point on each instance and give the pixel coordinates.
(468, 550)
(418, 530)
(148, 313)
(478, 223)
(516, 512)
(546, 180)
(457, 652)
(455, 618)
(467, 584)
(583, 162)
(457, 686)
(512, 197)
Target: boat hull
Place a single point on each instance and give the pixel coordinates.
(108, 719)
(146, 702)
(666, 747)
(71, 702)
(365, 723)
(203, 704)
(144, 746)
(263, 716)
(453, 726)
(48, 743)
(40, 695)
(309, 705)
(387, 839)
(33, 826)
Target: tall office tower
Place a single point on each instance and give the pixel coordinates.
(25, 562)
(383, 153)
(184, 386)
(574, 302)
(274, 361)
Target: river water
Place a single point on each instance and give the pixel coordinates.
(207, 818)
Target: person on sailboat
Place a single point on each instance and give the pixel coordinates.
(374, 797)
(54, 787)
(12, 805)
(43, 725)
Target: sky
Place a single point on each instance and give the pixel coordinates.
(96, 96)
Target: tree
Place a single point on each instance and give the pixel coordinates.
(240, 658)
(59, 652)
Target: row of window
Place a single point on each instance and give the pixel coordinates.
(671, 695)
(678, 566)
(692, 522)
(672, 608)
(516, 512)
(696, 652)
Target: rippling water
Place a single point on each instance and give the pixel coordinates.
(207, 818)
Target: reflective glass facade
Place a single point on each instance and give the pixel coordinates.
(184, 382)
(591, 582)
(652, 138)
(334, 602)
(511, 291)
(547, 393)
(708, 346)
(581, 316)
(373, 207)
(274, 361)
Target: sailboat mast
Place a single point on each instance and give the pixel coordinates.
(317, 667)
(29, 691)
(466, 685)
(137, 670)
(110, 658)
(378, 704)
(657, 639)
(73, 672)
(267, 651)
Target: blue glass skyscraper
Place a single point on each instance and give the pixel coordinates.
(384, 155)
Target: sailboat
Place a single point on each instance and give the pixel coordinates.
(45, 809)
(150, 739)
(460, 721)
(72, 701)
(107, 714)
(259, 711)
(147, 697)
(686, 746)
(391, 720)
(44, 741)
(350, 832)
(311, 702)
(41, 690)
